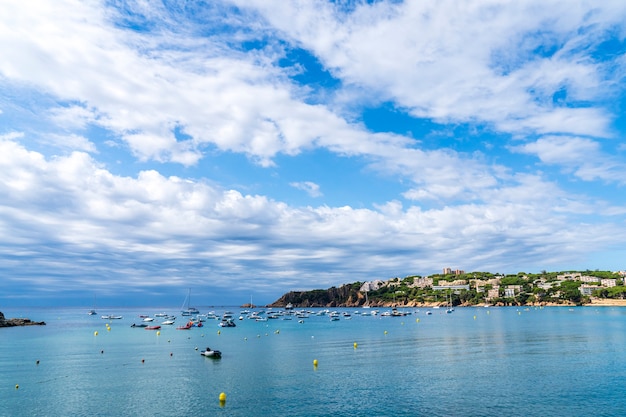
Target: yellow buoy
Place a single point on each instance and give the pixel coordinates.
(158, 333)
(95, 333)
(219, 332)
(417, 320)
(222, 398)
(355, 345)
(16, 386)
(315, 362)
(385, 331)
(474, 317)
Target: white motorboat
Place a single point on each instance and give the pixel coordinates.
(210, 353)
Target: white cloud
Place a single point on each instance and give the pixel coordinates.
(311, 188)
(72, 142)
(189, 228)
(465, 62)
(581, 156)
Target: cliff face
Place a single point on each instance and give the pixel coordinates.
(345, 296)
(18, 322)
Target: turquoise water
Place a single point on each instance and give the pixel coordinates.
(474, 362)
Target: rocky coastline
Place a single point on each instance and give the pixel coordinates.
(4, 322)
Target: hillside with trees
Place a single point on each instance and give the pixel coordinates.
(467, 289)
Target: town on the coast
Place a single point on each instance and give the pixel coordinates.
(460, 288)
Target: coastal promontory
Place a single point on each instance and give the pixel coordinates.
(4, 322)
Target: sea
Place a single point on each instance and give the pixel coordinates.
(474, 361)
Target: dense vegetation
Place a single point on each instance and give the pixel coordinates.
(513, 289)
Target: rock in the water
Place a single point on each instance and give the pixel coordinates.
(4, 322)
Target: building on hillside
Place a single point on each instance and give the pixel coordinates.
(371, 285)
(586, 289)
(423, 282)
(608, 282)
(450, 287)
(493, 293)
(512, 290)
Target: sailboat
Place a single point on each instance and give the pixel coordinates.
(188, 311)
(367, 301)
(450, 309)
(92, 312)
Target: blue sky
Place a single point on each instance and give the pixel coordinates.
(244, 149)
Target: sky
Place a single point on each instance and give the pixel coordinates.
(239, 150)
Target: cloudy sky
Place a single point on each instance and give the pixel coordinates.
(246, 148)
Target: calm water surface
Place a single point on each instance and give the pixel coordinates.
(555, 361)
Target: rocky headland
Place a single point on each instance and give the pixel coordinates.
(4, 322)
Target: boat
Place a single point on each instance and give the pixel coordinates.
(148, 319)
(185, 327)
(111, 317)
(227, 323)
(188, 311)
(152, 327)
(450, 309)
(139, 325)
(211, 353)
(92, 312)
(367, 301)
(168, 322)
